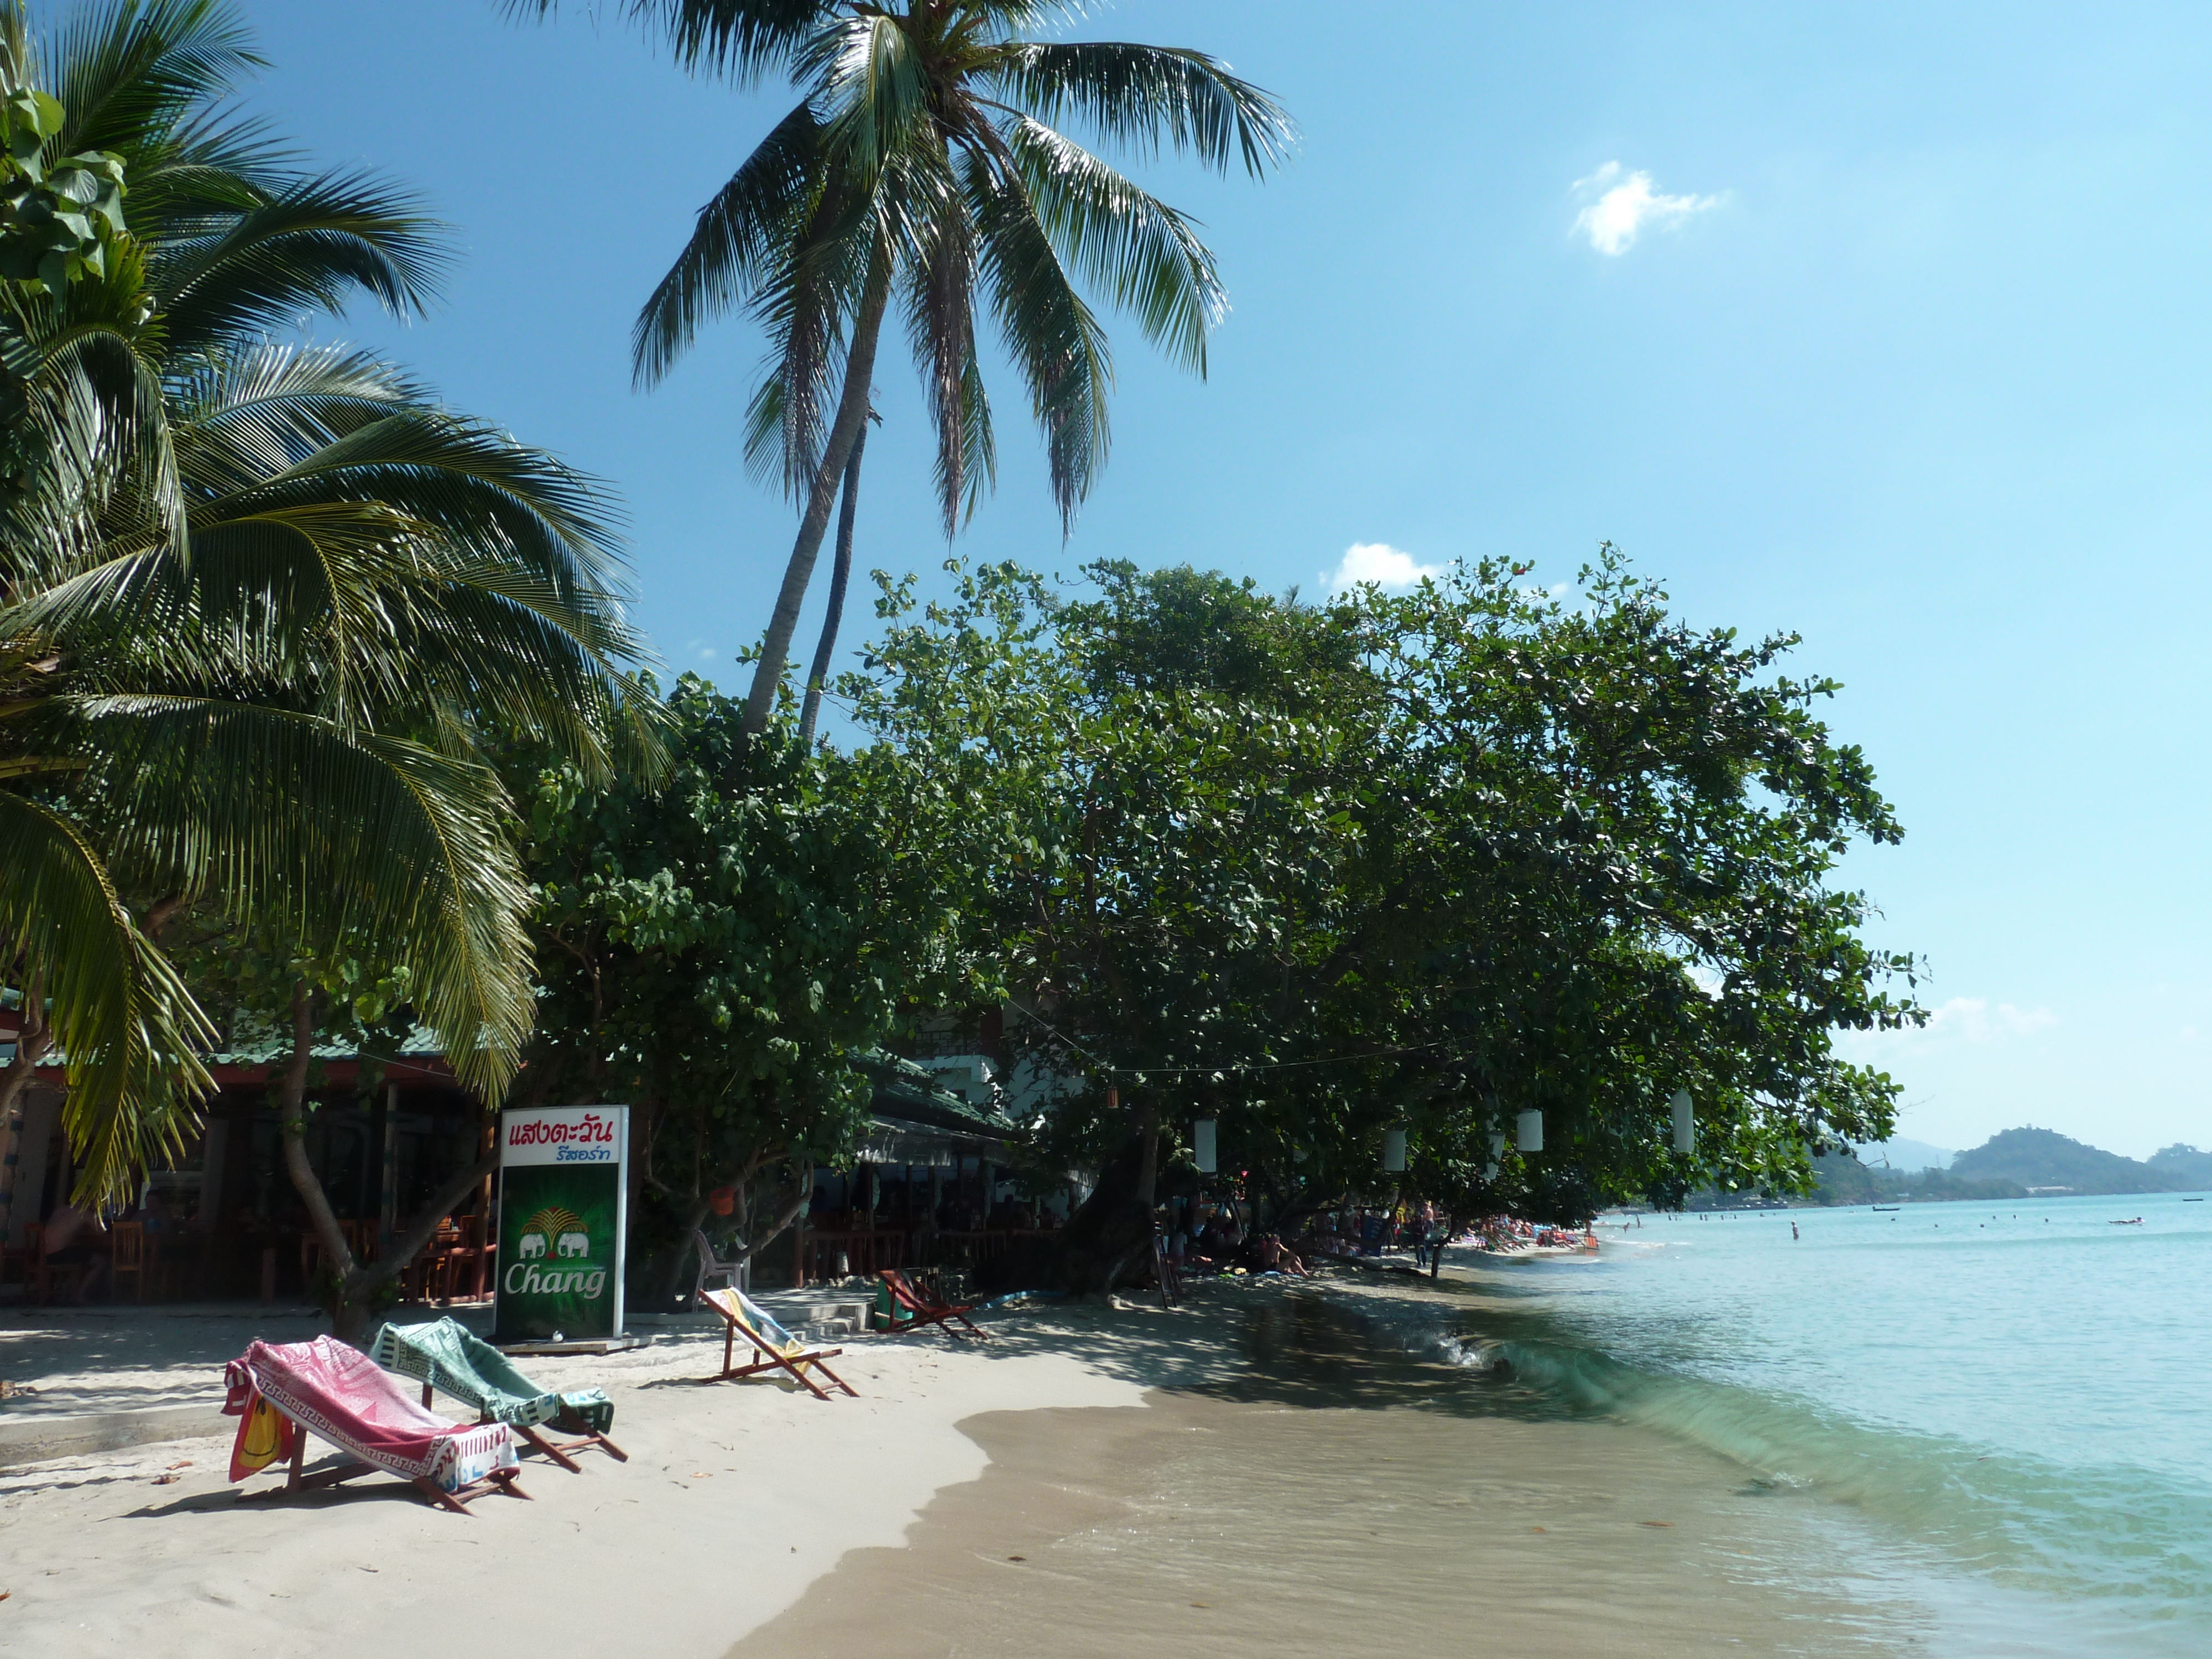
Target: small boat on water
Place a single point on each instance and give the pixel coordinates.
(2192, 1200)
(1884, 1209)
(2132, 1221)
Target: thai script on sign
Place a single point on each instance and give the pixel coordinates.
(544, 1132)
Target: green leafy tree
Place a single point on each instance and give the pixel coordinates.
(923, 168)
(718, 951)
(1318, 871)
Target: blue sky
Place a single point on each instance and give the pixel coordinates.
(1887, 326)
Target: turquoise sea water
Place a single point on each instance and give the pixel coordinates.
(2013, 1400)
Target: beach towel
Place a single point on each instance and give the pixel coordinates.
(778, 1348)
(340, 1394)
(447, 1355)
(744, 1310)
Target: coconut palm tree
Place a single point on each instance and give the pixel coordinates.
(257, 629)
(922, 165)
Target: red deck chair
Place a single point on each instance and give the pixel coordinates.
(283, 1390)
(926, 1308)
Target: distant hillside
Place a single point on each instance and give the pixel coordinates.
(1845, 1180)
(2186, 1163)
(1905, 1156)
(2042, 1157)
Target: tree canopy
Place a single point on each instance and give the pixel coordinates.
(1423, 861)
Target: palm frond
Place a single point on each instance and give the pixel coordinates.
(284, 816)
(740, 237)
(740, 40)
(1141, 250)
(1051, 335)
(127, 1028)
(1145, 96)
(311, 247)
(127, 70)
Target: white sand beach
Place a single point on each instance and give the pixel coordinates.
(1054, 1480)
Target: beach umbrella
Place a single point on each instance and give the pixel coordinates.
(1203, 1145)
(1685, 1123)
(1531, 1127)
(1394, 1151)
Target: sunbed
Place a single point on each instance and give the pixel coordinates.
(927, 1308)
(284, 1391)
(445, 1354)
(779, 1350)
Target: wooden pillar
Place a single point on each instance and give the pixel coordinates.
(387, 1196)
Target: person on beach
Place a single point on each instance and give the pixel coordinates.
(1274, 1254)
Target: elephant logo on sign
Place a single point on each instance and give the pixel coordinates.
(575, 1244)
(533, 1246)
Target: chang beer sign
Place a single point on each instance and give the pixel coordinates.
(563, 1216)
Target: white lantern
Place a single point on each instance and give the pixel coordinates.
(1394, 1151)
(1685, 1123)
(1201, 1144)
(1531, 1136)
(1497, 1155)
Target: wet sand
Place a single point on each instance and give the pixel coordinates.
(1330, 1503)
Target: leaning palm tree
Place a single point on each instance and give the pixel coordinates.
(256, 630)
(922, 164)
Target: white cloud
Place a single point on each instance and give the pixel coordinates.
(1380, 563)
(1974, 1020)
(1622, 210)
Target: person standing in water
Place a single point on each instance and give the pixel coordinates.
(1793, 1230)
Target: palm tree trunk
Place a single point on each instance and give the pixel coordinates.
(852, 412)
(841, 572)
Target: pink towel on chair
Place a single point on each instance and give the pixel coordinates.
(343, 1396)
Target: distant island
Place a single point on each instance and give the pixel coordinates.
(2017, 1164)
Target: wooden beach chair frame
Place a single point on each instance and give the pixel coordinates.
(736, 1323)
(928, 1309)
(456, 1375)
(558, 1450)
(297, 1481)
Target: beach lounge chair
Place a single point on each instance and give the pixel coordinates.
(777, 1348)
(445, 1354)
(926, 1307)
(285, 1391)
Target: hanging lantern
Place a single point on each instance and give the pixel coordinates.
(1394, 1151)
(1203, 1145)
(1497, 1155)
(1685, 1123)
(1531, 1136)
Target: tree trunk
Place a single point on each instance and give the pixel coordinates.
(852, 413)
(841, 573)
(1108, 1231)
(348, 1295)
(292, 1123)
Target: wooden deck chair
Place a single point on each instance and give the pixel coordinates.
(445, 1353)
(777, 1348)
(926, 1308)
(283, 1391)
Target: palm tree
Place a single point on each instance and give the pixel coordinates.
(263, 605)
(921, 163)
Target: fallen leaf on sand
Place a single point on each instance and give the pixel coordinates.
(1654, 1523)
(185, 1464)
(167, 1480)
(1535, 1529)
(1017, 1558)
